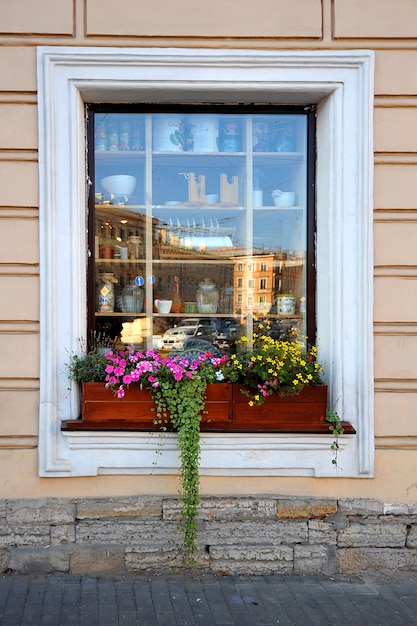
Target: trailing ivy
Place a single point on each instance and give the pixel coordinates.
(185, 402)
(336, 428)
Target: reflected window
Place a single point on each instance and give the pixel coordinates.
(187, 207)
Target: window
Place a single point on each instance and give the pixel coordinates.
(204, 185)
(264, 266)
(340, 83)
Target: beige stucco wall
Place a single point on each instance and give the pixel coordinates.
(389, 28)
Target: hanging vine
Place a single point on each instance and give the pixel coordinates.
(184, 402)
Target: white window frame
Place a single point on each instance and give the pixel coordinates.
(341, 84)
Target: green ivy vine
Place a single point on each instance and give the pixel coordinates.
(336, 428)
(182, 402)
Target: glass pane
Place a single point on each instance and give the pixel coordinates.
(200, 227)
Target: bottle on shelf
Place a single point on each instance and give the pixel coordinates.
(177, 304)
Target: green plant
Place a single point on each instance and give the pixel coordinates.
(336, 428)
(87, 368)
(178, 387)
(184, 403)
(90, 366)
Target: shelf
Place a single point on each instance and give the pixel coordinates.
(120, 261)
(199, 205)
(176, 154)
(118, 314)
(269, 207)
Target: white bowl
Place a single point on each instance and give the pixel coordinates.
(119, 185)
(286, 198)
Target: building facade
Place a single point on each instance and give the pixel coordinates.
(355, 65)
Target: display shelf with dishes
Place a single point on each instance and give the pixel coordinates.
(208, 212)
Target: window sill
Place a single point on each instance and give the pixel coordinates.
(222, 454)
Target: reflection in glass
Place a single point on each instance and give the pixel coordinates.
(211, 207)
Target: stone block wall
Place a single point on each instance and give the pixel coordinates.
(244, 535)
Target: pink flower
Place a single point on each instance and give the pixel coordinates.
(120, 392)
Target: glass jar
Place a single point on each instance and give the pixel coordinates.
(226, 299)
(132, 298)
(207, 297)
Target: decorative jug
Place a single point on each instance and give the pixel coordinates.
(105, 292)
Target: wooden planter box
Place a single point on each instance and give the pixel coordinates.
(227, 409)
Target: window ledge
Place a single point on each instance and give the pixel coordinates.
(225, 454)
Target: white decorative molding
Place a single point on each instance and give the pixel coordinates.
(341, 83)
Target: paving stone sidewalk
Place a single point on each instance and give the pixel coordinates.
(206, 600)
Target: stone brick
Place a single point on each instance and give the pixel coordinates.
(375, 19)
(50, 17)
(266, 532)
(315, 559)
(18, 68)
(372, 535)
(322, 532)
(355, 561)
(401, 175)
(97, 560)
(361, 506)
(396, 509)
(24, 535)
(407, 233)
(39, 560)
(111, 508)
(40, 511)
(257, 559)
(298, 18)
(411, 541)
(64, 533)
(23, 117)
(392, 73)
(160, 556)
(126, 532)
(395, 129)
(305, 508)
(4, 560)
(226, 508)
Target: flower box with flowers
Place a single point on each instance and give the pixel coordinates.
(267, 386)
(102, 410)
